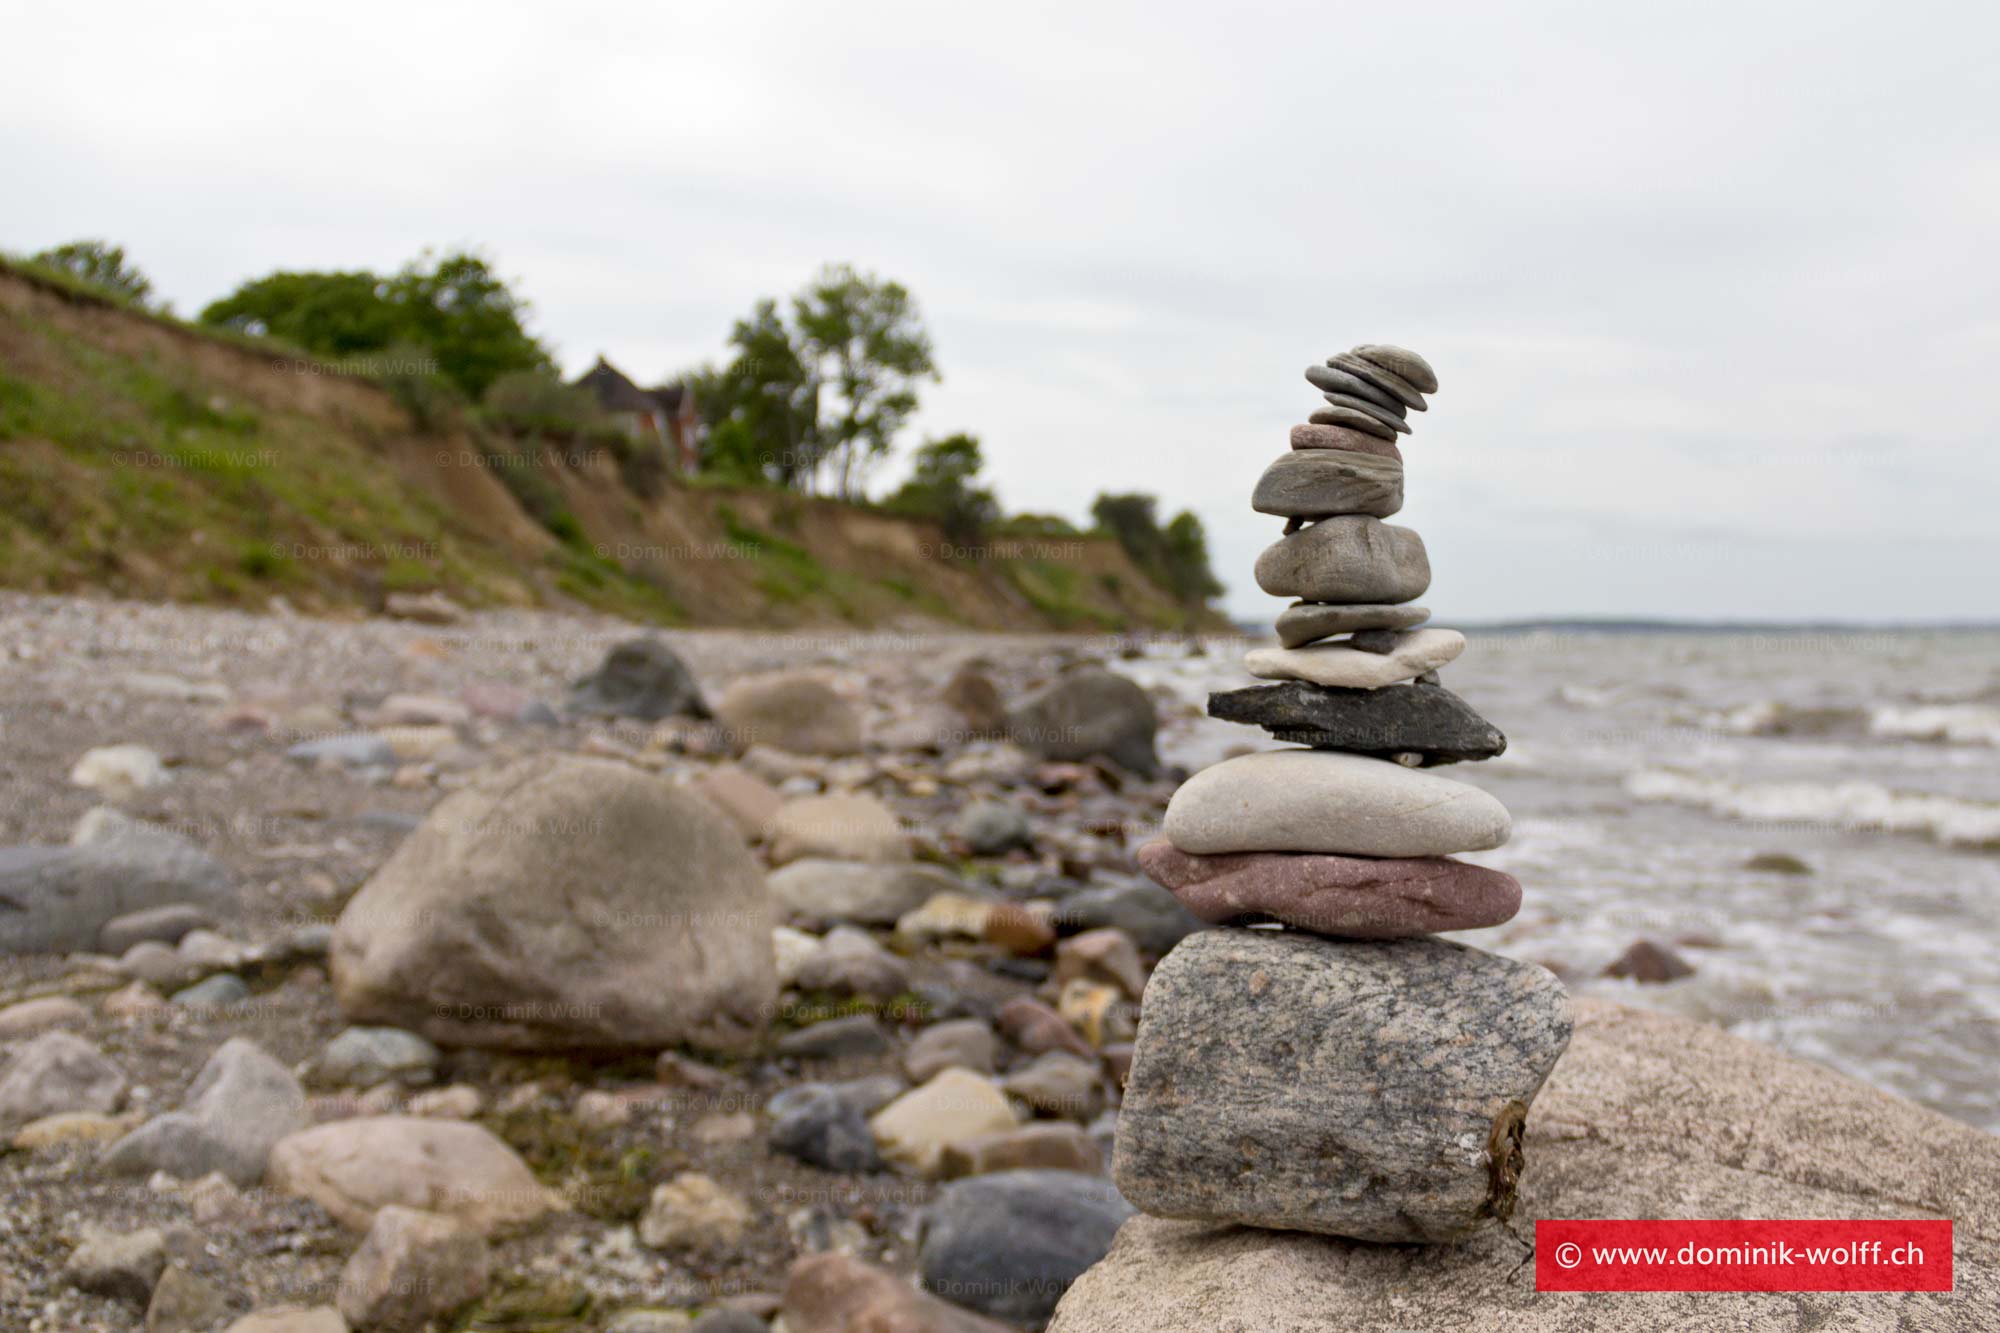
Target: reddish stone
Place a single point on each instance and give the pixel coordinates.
(1352, 896)
(1018, 931)
(1340, 437)
(1036, 1028)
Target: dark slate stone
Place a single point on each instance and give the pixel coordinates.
(640, 678)
(1009, 1244)
(1427, 720)
(1088, 713)
(1154, 918)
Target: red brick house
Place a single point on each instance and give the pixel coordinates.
(665, 414)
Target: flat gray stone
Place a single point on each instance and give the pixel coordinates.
(1382, 378)
(836, 1038)
(359, 749)
(216, 992)
(1647, 1115)
(865, 892)
(1425, 720)
(1350, 419)
(1349, 403)
(1401, 361)
(58, 899)
(1332, 379)
(1339, 437)
(1302, 623)
(1347, 665)
(164, 924)
(1375, 1090)
(1327, 801)
(363, 1056)
(1351, 558)
(1319, 483)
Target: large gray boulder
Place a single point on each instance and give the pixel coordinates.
(58, 899)
(1088, 714)
(564, 902)
(240, 1104)
(1374, 1090)
(56, 1073)
(1647, 1116)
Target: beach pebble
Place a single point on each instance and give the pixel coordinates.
(1333, 380)
(1376, 1090)
(1400, 361)
(1321, 436)
(1402, 390)
(1427, 721)
(1350, 558)
(1650, 962)
(1302, 623)
(866, 893)
(1090, 713)
(640, 678)
(355, 1168)
(239, 1105)
(123, 1265)
(912, 1131)
(1009, 1244)
(1342, 665)
(1354, 897)
(1047, 1144)
(1349, 403)
(964, 1043)
(1348, 418)
(793, 711)
(1326, 801)
(412, 1267)
(850, 827)
(1319, 483)
(55, 1073)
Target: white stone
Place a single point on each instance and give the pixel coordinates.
(1327, 801)
(1347, 667)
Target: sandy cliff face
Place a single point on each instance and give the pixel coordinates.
(144, 458)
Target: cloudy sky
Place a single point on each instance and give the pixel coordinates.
(1712, 290)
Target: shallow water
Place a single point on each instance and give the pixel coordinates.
(1644, 770)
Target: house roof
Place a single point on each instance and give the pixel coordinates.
(615, 391)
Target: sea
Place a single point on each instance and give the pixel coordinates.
(1646, 770)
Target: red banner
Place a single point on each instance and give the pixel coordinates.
(1762, 1255)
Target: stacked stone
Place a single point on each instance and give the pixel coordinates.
(1329, 1065)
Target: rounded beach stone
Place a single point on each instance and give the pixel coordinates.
(1326, 801)
(1319, 483)
(1371, 1089)
(1401, 361)
(1332, 379)
(1351, 558)
(1349, 896)
(1348, 667)
(1352, 420)
(1302, 623)
(1340, 437)
(1382, 378)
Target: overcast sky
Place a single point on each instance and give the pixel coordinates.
(1712, 290)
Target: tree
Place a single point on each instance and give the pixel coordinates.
(470, 320)
(454, 308)
(101, 264)
(941, 487)
(762, 408)
(1175, 558)
(863, 339)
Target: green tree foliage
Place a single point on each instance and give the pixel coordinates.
(1176, 557)
(943, 486)
(538, 401)
(863, 339)
(101, 264)
(762, 408)
(454, 308)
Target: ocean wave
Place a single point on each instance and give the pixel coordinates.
(1956, 724)
(1849, 806)
(1769, 717)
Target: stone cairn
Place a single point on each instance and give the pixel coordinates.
(1348, 1073)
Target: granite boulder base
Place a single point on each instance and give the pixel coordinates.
(1427, 721)
(1324, 801)
(1378, 1091)
(1352, 558)
(1348, 896)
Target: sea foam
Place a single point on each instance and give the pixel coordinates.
(1851, 806)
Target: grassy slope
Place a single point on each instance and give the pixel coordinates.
(144, 458)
